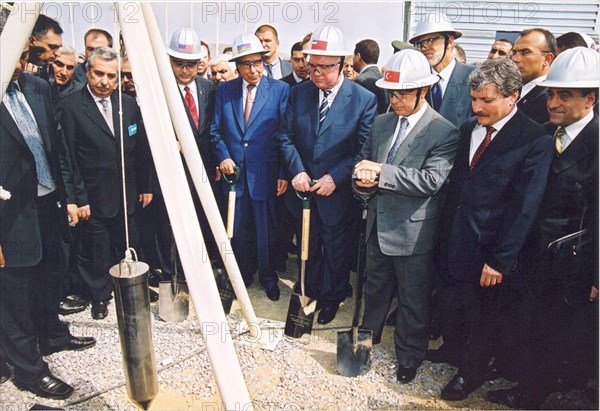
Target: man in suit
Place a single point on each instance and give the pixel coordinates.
(435, 37)
(326, 123)
(247, 113)
(275, 67)
(33, 223)
(92, 39)
(533, 53)
(366, 54)
(63, 67)
(566, 305)
(91, 124)
(299, 70)
(495, 189)
(410, 152)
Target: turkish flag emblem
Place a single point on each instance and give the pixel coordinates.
(392, 76)
(319, 45)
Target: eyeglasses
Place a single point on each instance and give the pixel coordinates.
(184, 64)
(250, 64)
(399, 93)
(126, 75)
(60, 65)
(526, 53)
(427, 42)
(321, 67)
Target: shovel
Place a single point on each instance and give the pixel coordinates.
(301, 312)
(174, 301)
(354, 346)
(226, 292)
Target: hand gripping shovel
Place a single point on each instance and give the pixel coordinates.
(301, 312)
(354, 346)
(174, 301)
(226, 292)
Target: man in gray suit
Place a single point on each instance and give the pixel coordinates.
(450, 97)
(408, 155)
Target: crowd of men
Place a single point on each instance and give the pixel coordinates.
(484, 226)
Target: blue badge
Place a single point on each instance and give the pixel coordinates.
(132, 129)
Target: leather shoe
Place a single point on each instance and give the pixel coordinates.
(99, 310)
(47, 386)
(458, 388)
(515, 398)
(273, 292)
(406, 374)
(74, 344)
(328, 312)
(72, 305)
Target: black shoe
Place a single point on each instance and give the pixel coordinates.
(406, 374)
(273, 292)
(458, 388)
(74, 344)
(328, 312)
(47, 386)
(72, 305)
(5, 372)
(515, 398)
(153, 296)
(99, 310)
(441, 355)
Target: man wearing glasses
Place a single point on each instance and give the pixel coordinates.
(248, 111)
(533, 53)
(435, 37)
(326, 122)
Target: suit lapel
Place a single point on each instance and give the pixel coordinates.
(313, 101)
(201, 104)
(91, 110)
(237, 101)
(387, 133)
(417, 131)
(341, 101)
(532, 96)
(114, 100)
(37, 107)
(10, 125)
(263, 93)
(580, 147)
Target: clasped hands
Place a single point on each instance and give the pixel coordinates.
(324, 186)
(367, 172)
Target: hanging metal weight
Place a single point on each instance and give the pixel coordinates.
(135, 330)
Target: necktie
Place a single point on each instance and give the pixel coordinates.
(400, 137)
(107, 114)
(484, 144)
(32, 136)
(558, 139)
(249, 103)
(191, 104)
(268, 70)
(324, 108)
(436, 95)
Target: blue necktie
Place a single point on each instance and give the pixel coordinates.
(324, 108)
(269, 70)
(31, 134)
(400, 137)
(436, 95)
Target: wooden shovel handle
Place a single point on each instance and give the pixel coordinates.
(230, 214)
(305, 233)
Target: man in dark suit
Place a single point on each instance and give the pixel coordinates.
(533, 53)
(275, 67)
(247, 114)
(33, 223)
(366, 55)
(411, 152)
(566, 347)
(299, 70)
(435, 37)
(63, 67)
(91, 124)
(326, 122)
(495, 189)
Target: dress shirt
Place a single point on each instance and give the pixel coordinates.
(478, 133)
(573, 130)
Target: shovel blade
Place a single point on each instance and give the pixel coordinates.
(226, 292)
(354, 357)
(299, 321)
(173, 308)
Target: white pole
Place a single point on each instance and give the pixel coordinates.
(197, 170)
(166, 19)
(72, 24)
(178, 199)
(17, 30)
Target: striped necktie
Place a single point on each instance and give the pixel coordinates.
(558, 139)
(482, 147)
(324, 108)
(400, 137)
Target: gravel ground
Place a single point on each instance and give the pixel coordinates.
(296, 375)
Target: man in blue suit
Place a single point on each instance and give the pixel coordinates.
(326, 122)
(248, 111)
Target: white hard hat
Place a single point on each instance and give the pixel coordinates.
(578, 67)
(246, 44)
(434, 23)
(327, 41)
(589, 41)
(407, 69)
(185, 45)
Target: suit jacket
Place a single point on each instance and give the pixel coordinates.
(456, 104)
(533, 105)
(95, 153)
(409, 201)
(252, 147)
(206, 110)
(79, 73)
(286, 67)
(291, 80)
(367, 79)
(20, 234)
(490, 211)
(329, 148)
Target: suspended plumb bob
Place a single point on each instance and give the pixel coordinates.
(130, 280)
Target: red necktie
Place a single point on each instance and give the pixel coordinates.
(484, 144)
(189, 100)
